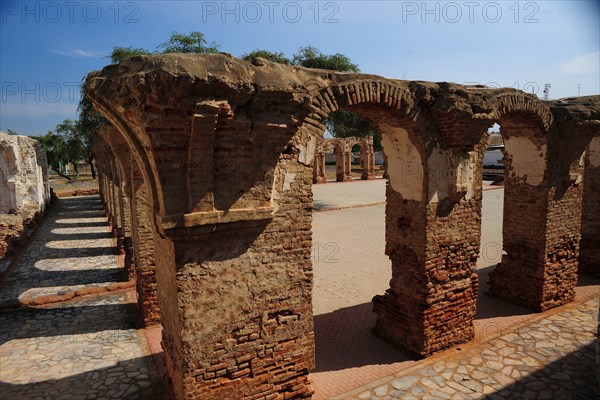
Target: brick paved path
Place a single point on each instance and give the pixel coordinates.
(552, 357)
(90, 347)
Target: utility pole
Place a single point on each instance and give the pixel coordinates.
(546, 91)
(579, 90)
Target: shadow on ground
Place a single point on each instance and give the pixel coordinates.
(46, 323)
(570, 377)
(344, 339)
(51, 260)
(489, 306)
(115, 382)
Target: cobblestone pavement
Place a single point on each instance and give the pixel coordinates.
(83, 349)
(73, 248)
(551, 358)
(91, 347)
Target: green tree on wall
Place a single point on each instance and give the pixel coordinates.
(193, 42)
(340, 123)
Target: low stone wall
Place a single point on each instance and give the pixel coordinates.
(24, 193)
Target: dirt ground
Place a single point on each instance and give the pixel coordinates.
(76, 186)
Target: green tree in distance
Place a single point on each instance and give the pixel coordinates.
(56, 152)
(310, 57)
(277, 57)
(74, 149)
(88, 124)
(193, 42)
(118, 54)
(341, 123)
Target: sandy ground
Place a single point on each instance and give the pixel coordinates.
(63, 187)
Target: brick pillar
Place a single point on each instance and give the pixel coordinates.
(589, 255)
(367, 164)
(319, 168)
(112, 206)
(143, 249)
(234, 271)
(433, 224)
(347, 166)
(129, 261)
(542, 219)
(339, 166)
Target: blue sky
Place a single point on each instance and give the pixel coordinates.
(47, 47)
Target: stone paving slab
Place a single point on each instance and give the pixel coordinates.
(72, 249)
(552, 357)
(87, 348)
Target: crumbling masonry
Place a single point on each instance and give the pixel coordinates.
(24, 189)
(208, 167)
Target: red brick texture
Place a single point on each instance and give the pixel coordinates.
(221, 155)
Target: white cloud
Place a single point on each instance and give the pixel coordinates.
(584, 64)
(75, 53)
(37, 110)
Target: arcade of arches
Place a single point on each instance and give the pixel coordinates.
(206, 171)
(343, 158)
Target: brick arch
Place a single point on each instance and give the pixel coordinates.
(349, 95)
(512, 105)
(542, 217)
(416, 198)
(137, 149)
(334, 143)
(390, 106)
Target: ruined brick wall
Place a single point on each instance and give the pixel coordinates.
(260, 330)
(136, 235)
(11, 234)
(598, 357)
(225, 151)
(589, 258)
(543, 202)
